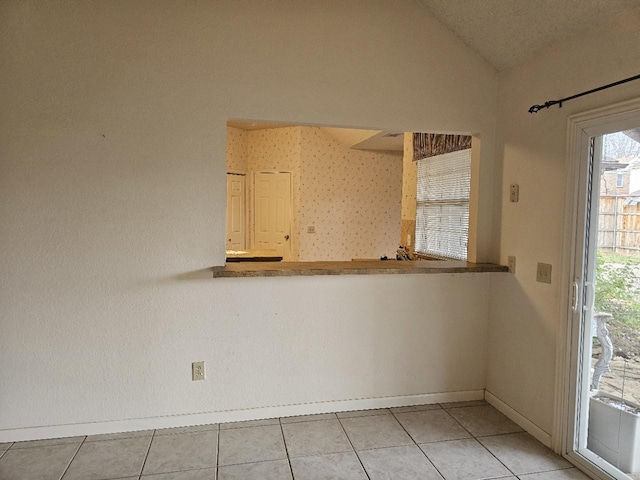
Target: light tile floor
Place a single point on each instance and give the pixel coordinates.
(454, 441)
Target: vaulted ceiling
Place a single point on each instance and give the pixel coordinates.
(509, 32)
(505, 33)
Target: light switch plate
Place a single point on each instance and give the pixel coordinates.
(311, 229)
(197, 371)
(543, 273)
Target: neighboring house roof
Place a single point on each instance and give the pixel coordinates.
(634, 133)
(609, 165)
(621, 164)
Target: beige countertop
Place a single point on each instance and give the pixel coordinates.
(359, 267)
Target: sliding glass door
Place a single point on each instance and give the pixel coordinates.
(603, 424)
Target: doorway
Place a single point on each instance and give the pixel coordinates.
(272, 213)
(602, 427)
(236, 212)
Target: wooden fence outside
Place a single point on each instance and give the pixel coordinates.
(619, 224)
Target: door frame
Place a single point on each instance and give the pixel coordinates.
(580, 128)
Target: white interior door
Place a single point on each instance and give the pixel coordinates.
(236, 223)
(273, 213)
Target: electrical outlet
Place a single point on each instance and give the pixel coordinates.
(543, 274)
(197, 371)
(311, 229)
(514, 192)
(512, 264)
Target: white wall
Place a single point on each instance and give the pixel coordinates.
(112, 198)
(525, 315)
(347, 338)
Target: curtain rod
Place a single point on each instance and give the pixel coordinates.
(550, 103)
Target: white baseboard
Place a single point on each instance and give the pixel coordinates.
(135, 424)
(538, 433)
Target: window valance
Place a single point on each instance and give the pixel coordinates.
(431, 144)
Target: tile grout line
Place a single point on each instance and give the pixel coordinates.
(228, 427)
(5, 451)
(247, 463)
(405, 430)
(475, 437)
(354, 448)
(172, 472)
(501, 434)
(217, 453)
(309, 420)
(72, 458)
(188, 432)
(153, 435)
(187, 469)
(286, 449)
(418, 446)
(461, 425)
(365, 415)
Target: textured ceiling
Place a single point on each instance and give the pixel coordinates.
(509, 32)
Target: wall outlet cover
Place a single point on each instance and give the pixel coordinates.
(514, 192)
(512, 264)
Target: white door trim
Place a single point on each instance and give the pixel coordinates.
(580, 128)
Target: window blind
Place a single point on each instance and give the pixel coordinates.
(442, 205)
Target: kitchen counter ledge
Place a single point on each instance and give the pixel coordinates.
(356, 267)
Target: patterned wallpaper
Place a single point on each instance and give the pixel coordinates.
(236, 150)
(276, 150)
(351, 197)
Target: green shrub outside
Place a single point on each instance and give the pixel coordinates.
(617, 288)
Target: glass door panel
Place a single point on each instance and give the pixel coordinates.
(607, 307)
